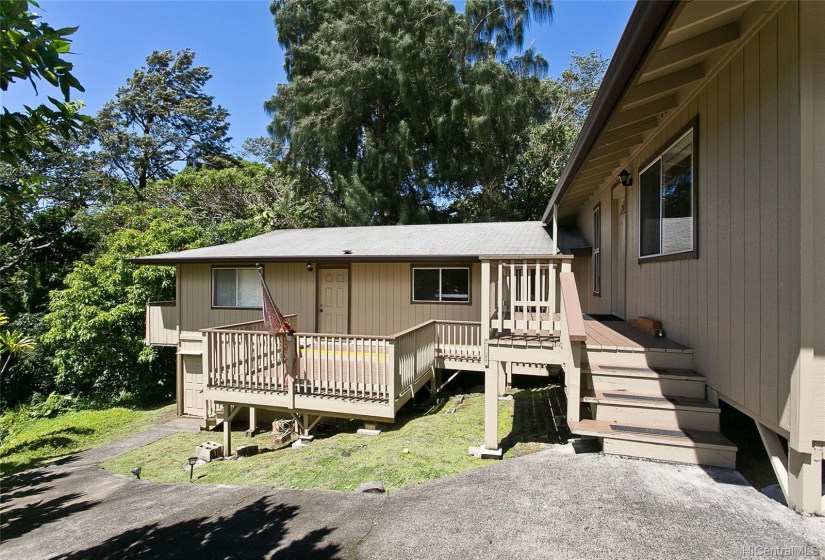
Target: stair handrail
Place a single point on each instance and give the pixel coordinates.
(573, 334)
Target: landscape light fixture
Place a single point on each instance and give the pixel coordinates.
(136, 471)
(192, 461)
(624, 178)
(309, 267)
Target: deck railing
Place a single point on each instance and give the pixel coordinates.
(524, 293)
(376, 368)
(459, 340)
(344, 366)
(414, 354)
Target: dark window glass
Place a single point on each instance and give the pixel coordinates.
(455, 284)
(425, 284)
(650, 209)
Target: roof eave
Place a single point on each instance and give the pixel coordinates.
(641, 32)
(342, 259)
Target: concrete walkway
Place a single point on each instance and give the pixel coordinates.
(553, 504)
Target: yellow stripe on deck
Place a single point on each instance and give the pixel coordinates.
(347, 353)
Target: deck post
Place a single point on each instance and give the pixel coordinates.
(491, 376)
(485, 301)
(253, 420)
(289, 340)
(805, 481)
(227, 430)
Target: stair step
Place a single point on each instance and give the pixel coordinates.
(647, 372)
(623, 407)
(626, 398)
(654, 382)
(639, 357)
(650, 442)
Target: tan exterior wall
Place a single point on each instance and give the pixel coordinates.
(814, 231)
(292, 287)
(380, 298)
(737, 304)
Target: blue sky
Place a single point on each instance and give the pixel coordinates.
(237, 40)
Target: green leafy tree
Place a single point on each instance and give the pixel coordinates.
(238, 202)
(162, 118)
(12, 343)
(544, 147)
(396, 107)
(31, 51)
(96, 323)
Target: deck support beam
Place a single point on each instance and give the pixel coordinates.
(777, 456)
(229, 412)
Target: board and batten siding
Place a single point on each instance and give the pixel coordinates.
(737, 304)
(381, 299)
(813, 205)
(291, 285)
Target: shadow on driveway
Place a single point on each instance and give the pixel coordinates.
(257, 530)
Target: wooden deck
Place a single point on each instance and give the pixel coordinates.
(620, 335)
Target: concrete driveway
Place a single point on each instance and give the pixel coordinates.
(553, 504)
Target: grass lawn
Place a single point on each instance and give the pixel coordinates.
(30, 442)
(436, 444)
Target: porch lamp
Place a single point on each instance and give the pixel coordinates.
(192, 461)
(309, 267)
(624, 178)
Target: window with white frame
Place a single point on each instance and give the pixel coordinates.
(667, 200)
(441, 285)
(597, 249)
(236, 287)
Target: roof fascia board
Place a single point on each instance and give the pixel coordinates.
(171, 261)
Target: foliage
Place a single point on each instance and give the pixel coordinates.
(395, 107)
(33, 435)
(30, 51)
(161, 118)
(96, 323)
(239, 202)
(545, 147)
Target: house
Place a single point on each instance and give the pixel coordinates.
(380, 311)
(694, 197)
(698, 180)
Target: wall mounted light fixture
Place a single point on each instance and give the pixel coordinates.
(624, 178)
(309, 267)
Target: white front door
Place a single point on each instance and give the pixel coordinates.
(193, 385)
(333, 309)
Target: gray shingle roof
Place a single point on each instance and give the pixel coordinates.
(412, 242)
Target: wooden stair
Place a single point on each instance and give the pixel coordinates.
(653, 413)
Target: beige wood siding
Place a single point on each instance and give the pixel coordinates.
(292, 287)
(736, 303)
(815, 228)
(381, 299)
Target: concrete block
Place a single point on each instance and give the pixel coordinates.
(366, 432)
(247, 450)
(209, 451)
(298, 444)
(484, 453)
